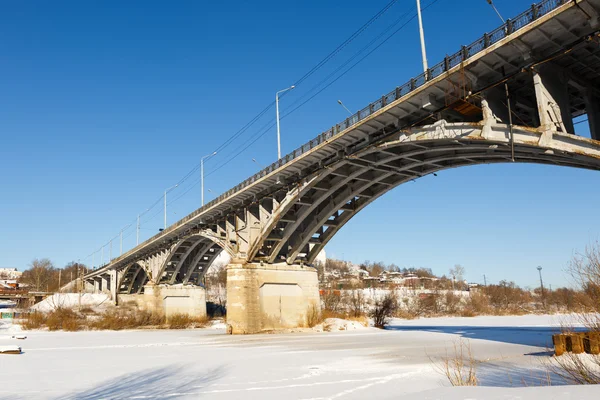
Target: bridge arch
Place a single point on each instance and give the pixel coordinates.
(368, 174)
(133, 279)
(190, 258)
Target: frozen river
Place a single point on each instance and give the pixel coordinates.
(369, 363)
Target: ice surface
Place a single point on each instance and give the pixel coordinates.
(361, 364)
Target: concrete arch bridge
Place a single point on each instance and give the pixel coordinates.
(509, 97)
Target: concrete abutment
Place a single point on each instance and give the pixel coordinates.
(269, 296)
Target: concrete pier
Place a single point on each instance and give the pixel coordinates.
(269, 296)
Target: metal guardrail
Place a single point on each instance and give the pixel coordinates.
(512, 25)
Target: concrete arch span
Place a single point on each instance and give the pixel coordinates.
(133, 279)
(373, 171)
(189, 259)
(308, 217)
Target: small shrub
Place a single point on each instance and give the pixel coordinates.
(405, 314)
(34, 320)
(313, 316)
(185, 321)
(467, 312)
(384, 309)
(64, 319)
(357, 303)
(460, 366)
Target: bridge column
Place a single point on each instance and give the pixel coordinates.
(96, 285)
(592, 106)
(269, 296)
(105, 283)
(552, 96)
(114, 282)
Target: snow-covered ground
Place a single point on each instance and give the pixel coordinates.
(367, 363)
(72, 300)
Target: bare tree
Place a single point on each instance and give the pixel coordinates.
(39, 276)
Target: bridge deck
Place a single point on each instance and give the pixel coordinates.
(543, 31)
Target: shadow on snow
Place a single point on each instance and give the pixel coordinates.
(171, 382)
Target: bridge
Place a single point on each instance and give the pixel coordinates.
(511, 96)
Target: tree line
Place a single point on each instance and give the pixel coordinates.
(43, 276)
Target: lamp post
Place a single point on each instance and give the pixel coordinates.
(539, 268)
(277, 112)
(202, 174)
(346, 108)
(257, 163)
(491, 3)
(422, 35)
(165, 202)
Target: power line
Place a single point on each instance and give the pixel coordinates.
(261, 133)
(263, 130)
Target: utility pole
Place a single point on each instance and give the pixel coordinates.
(59, 277)
(539, 268)
(484, 280)
(422, 35)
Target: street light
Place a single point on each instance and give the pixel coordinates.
(491, 3)
(539, 268)
(346, 108)
(422, 35)
(202, 173)
(277, 111)
(165, 201)
(257, 163)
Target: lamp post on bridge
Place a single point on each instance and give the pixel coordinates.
(257, 163)
(422, 35)
(345, 108)
(165, 202)
(491, 3)
(202, 174)
(277, 112)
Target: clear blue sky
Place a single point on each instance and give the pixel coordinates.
(105, 104)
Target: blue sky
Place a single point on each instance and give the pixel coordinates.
(105, 104)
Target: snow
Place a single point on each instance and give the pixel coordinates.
(71, 300)
(365, 363)
(338, 324)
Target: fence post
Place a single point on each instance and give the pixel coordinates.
(509, 27)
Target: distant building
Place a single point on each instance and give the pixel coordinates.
(10, 273)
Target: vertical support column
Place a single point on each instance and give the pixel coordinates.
(592, 106)
(96, 285)
(114, 282)
(105, 283)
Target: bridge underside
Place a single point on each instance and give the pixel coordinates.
(514, 101)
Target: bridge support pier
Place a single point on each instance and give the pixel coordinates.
(173, 299)
(269, 296)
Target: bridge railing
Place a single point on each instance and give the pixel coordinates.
(512, 25)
